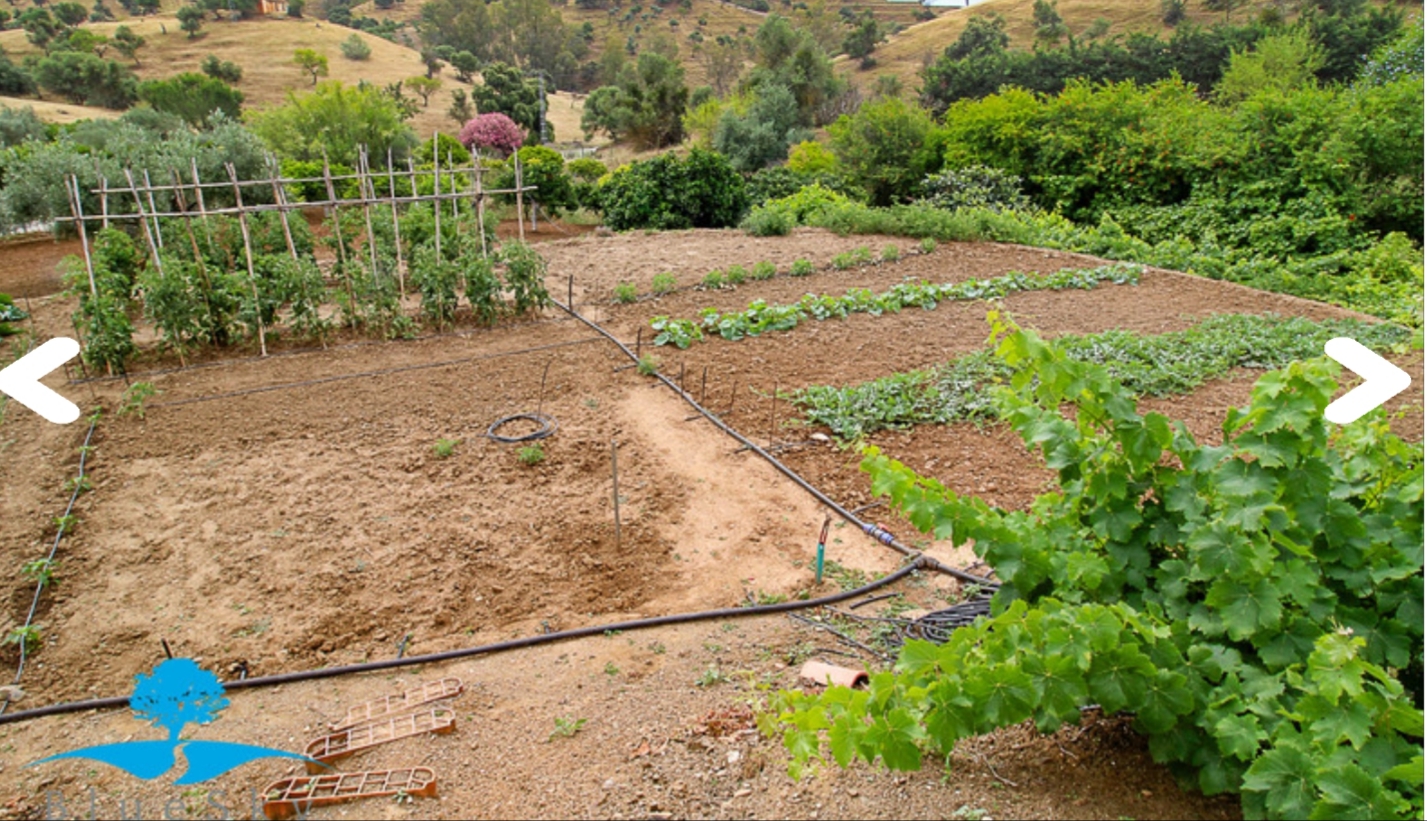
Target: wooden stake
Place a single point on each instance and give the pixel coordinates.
(280, 198)
(153, 209)
(480, 200)
(773, 415)
(198, 193)
(248, 253)
(138, 201)
(519, 199)
(367, 212)
(78, 211)
(614, 473)
(103, 202)
(704, 385)
(436, 203)
(341, 246)
(395, 223)
(198, 259)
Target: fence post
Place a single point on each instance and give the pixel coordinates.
(395, 223)
(138, 201)
(337, 231)
(436, 203)
(248, 253)
(480, 199)
(198, 192)
(519, 199)
(78, 211)
(280, 198)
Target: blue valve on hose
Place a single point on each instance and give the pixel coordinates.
(822, 547)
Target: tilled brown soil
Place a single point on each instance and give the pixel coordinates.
(290, 512)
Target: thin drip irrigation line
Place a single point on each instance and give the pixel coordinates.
(871, 529)
(498, 647)
(379, 372)
(54, 548)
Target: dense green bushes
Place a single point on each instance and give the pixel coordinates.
(666, 192)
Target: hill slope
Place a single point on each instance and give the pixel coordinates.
(907, 52)
(264, 46)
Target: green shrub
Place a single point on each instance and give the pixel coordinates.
(928, 244)
(663, 283)
(768, 222)
(713, 279)
(764, 270)
(802, 268)
(843, 261)
(666, 192)
(625, 293)
(891, 253)
(531, 455)
(445, 447)
(736, 275)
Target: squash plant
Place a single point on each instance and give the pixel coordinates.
(1256, 605)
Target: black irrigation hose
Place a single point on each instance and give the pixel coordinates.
(870, 529)
(512, 644)
(54, 548)
(547, 424)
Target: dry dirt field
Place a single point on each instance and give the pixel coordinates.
(286, 513)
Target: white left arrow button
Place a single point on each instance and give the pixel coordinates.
(22, 380)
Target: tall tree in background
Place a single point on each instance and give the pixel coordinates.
(127, 43)
(503, 89)
(1050, 28)
(646, 107)
(337, 120)
(723, 63)
(792, 58)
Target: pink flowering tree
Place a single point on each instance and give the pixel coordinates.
(492, 131)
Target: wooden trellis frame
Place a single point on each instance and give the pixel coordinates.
(461, 183)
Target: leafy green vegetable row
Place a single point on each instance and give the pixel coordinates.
(1155, 365)
(760, 317)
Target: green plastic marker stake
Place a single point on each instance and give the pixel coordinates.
(822, 547)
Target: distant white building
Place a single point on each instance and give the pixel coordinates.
(946, 4)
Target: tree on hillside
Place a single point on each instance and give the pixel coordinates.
(85, 79)
(127, 43)
(431, 58)
(101, 13)
(40, 28)
(862, 40)
(1226, 6)
(723, 62)
(86, 40)
(311, 63)
(70, 14)
(1050, 28)
(194, 97)
(465, 65)
(505, 90)
(337, 120)
(425, 87)
(982, 36)
(646, 107)
(791, 58)
(190, 19)
(225, 70)
(355, 48)
(295, 7)
(460, 110)
(760, 136)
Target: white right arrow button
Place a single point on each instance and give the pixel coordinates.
(1382, 380)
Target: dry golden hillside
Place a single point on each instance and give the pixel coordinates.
(710, 18)
(264, 46)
